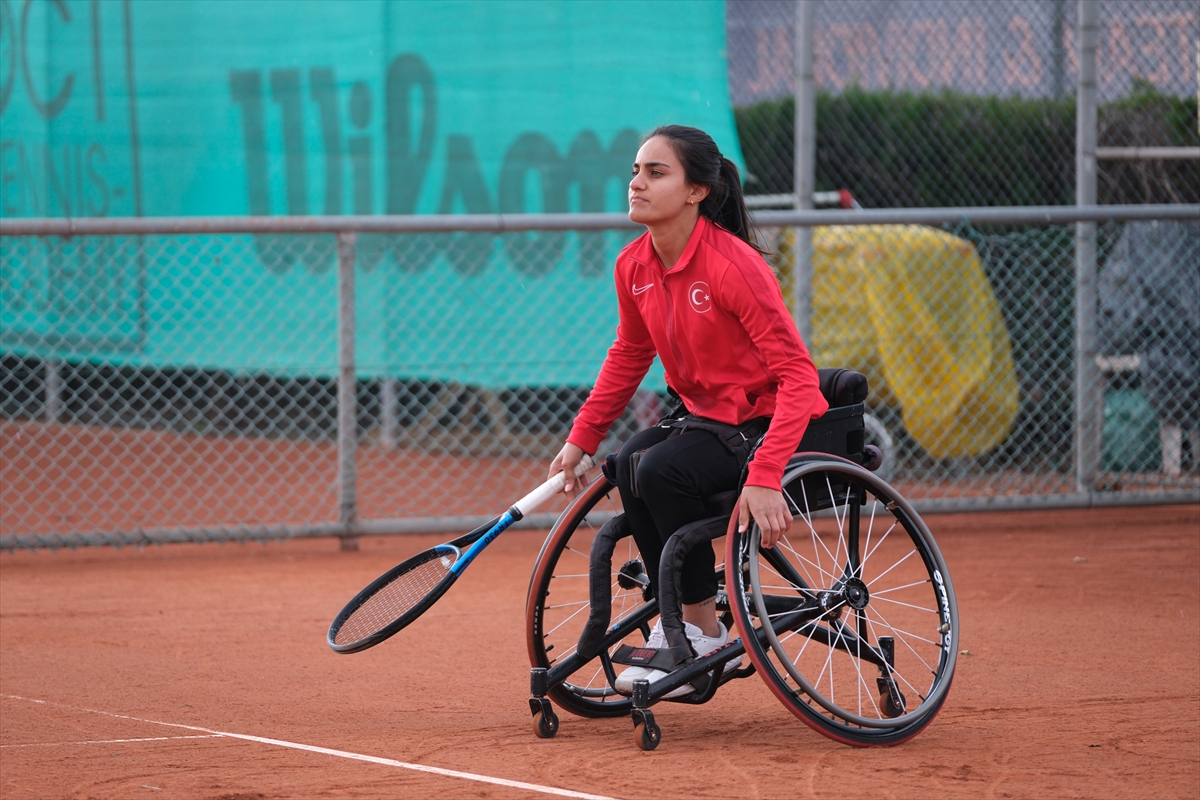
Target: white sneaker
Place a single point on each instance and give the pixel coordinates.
(657, 641)
(703, 645)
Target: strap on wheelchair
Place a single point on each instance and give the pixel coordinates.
(737, 439)
(645, 657)
(670, 580)
(600, 585)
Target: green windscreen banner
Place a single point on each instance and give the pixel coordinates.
(258, 107)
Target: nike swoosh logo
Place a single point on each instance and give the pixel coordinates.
(639, 289)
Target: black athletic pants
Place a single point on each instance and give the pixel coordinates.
(673, 477)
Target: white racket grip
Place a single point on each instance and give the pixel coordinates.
(550, 488)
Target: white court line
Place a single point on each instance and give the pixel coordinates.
(110, 741)
(387, 762)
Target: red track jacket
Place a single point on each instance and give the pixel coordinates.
(727, 343)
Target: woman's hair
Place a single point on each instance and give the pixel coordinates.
(704, 165)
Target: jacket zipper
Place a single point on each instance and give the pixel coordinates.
(683, 370)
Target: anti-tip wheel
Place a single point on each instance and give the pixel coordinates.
(545, 724)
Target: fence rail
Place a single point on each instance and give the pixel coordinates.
(509, 223)
(304, 409)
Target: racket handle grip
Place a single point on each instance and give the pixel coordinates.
(550, 488)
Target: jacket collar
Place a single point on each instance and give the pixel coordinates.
(643, 251)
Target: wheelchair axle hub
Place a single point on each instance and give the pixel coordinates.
(856, 593)
(849, 592)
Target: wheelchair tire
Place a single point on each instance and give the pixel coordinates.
(863, 633)
(558, 602)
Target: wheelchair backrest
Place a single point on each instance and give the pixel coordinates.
(839, 430)
(842, 387)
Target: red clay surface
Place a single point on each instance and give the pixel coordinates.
(1082, 679)
(66, 478)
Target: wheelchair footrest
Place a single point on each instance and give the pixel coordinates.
(666, 660)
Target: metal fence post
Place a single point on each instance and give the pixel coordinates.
(347, 399)
(54, 391)
(388, 419)
(804, 175)
(1088, 395)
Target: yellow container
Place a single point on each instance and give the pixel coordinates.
(912, 308)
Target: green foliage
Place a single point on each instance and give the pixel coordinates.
(901, 149)
(1147, 118)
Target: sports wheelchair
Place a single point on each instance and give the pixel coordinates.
(851, 619)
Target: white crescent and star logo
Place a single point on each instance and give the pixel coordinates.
(698, 295)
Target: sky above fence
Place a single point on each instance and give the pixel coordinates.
(1001, 47)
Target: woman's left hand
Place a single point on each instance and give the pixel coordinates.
(768, 508)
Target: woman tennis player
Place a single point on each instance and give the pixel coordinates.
(695, 291)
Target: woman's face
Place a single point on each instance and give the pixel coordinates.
(659, 190)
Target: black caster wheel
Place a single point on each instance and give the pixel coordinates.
(545, 724)
(647, 735)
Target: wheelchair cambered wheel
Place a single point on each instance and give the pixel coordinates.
(851, 618)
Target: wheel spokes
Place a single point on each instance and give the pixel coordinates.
(873, 582)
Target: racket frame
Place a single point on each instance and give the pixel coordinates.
(456, 546)
(466, 548)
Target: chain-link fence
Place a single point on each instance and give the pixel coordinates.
(167, 387)
(187, 386)
(942, 103)
(977, 324)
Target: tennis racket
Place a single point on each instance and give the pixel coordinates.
(407, 590)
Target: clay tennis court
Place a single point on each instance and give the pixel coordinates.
(201, 671)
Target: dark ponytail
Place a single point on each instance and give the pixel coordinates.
(704, 165)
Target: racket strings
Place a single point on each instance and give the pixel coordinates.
(396, 598)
